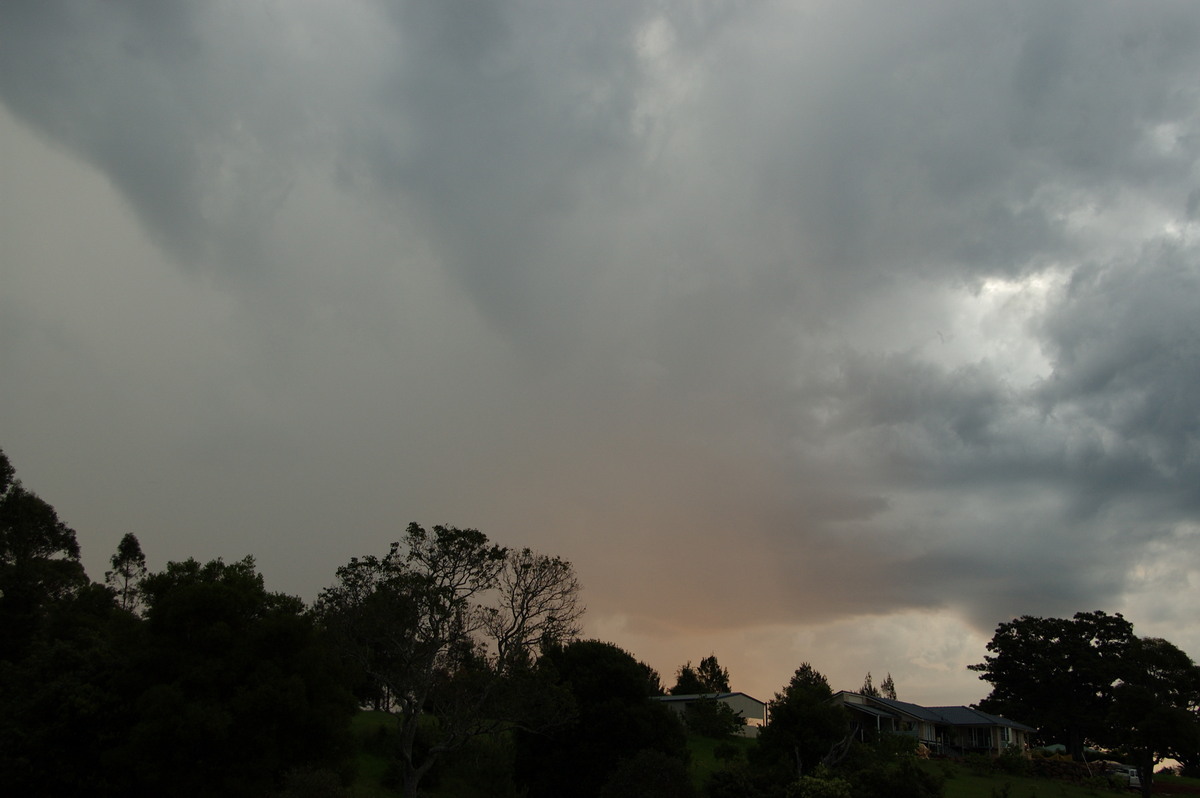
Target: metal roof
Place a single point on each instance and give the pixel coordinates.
(966, 716)
(698, 696)
(951, 716)
(870, 710)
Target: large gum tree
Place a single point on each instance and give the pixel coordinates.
(443, 630)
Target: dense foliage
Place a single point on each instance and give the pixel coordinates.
(608, 719)
(448, 625)
(1088, 680)
(709, 677)
(804, 727)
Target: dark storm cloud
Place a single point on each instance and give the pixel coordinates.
(892, 308)
(1125, 343)
(506, 122)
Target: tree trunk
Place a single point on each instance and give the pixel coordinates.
(1145, 766)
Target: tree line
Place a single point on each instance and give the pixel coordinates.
(197, 680)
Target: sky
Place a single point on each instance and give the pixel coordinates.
(828, 332)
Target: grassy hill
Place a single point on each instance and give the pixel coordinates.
(708, 756)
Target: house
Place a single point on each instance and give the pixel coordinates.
(752, 711)
(944, 730)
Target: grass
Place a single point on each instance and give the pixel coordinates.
(704, 760)
(1177, 781)
(962, 783)
(372, 764)
(481, 769)
(369, 729)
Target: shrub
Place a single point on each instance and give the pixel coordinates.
(1061, 768)
(902, 779)
(709, 717)
(740, 782)
(1012, 762)
(815, 787)
(649, 774)
(978, 764)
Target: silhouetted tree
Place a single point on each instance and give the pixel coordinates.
(612, 720)
(1153, 714)
(416, 626)
(687, 681)
(537, 605)
(39, 562)
(707, 717)
(714, 678)
(710, 717)
(66, 704)
(235, 687)
(709, 677)
(888, 688)
(128, 570)
(58, 662)
(868, 688)
(802, 727)
(1089, 679)
(1057, 674)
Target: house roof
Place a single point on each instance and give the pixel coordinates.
(905, 708)
(950, 716)
(698, 696)
(967, 716)
(870, 710)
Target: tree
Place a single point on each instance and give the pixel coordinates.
(219, 690)
(63, 706)
(39, 562)
(233, 687)
(416, 626)
(1153, 712)
(1057, 674)
(611, 719)
(537, 605)
(714, 678)
(709, 677)
(711, 717)
(707, 717)
(1089, 679)
(868, 688)
(687, 681)
(128, 570)
(803, 727)
(886, 688)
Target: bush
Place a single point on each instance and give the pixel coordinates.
(649, 774)
(903, 779)
(1061, 768)
(816, 787)
(709, 717)
(741, 782)
(1012, 762)
(978, 764)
